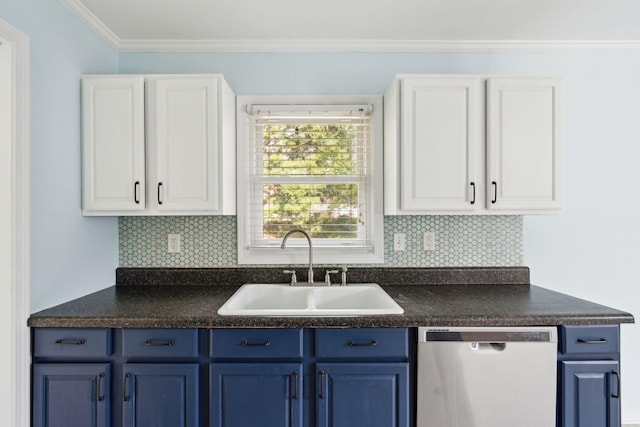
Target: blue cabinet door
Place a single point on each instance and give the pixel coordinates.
(160, 395)
(256, 395)
(362, 394)
(590, 393)
(71, 395)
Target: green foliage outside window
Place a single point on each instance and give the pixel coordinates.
(307, 153)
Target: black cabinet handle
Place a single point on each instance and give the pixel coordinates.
(598, 341)
(136, 189)
(495, 191)
(295, 385)
(159, 192)
(246, 343)
(323, 377)
(371, 343)
(616, 395)
(150, 343)
(473, 198)
(125, 380)
(70, 342)
(99, 387)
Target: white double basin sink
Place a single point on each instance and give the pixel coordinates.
(360, 299)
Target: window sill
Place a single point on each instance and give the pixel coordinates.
(300, 256)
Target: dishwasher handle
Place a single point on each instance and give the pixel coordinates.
(488, 346)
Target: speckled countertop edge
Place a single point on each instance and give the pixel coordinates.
(170, 306)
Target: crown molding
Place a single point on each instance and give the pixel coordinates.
(417, 46)
(93, 22)
(345, 45)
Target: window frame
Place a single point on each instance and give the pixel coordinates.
(297, 248)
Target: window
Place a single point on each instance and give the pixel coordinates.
(314, 164)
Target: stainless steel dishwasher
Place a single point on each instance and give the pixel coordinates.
(487, 377)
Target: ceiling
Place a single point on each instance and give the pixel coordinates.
(258, 25)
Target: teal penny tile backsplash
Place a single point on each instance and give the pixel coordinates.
(210, 241)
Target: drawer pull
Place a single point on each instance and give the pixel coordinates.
(99, 387)
(600, 341)
(616, 395)
(150, 343)
(246, 343)
(70, 342)
(125, 380)
(371, 343)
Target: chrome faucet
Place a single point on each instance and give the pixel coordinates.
(284, 245)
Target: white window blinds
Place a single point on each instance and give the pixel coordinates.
(309, 167)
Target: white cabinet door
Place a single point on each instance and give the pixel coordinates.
(439, 141)
(113, 144)
(183, 129)
(524, 144)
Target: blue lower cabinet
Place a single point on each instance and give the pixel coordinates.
(256, 394)
(590, 393)
(362, 394)
(160, 395)
(71, 395)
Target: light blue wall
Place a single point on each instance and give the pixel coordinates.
(592, 249)
(70, 255)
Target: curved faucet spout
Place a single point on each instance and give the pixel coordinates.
(284, 245)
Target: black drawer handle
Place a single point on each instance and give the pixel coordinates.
(70, 342)
(246, 343)
(150, 343)
(616, 395)
(371, 343)
(599, 341)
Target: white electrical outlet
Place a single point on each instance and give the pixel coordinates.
(173, 243)
(399, 242)
(429, 241)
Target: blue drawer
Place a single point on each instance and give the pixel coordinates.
(365, 343)
(589, 339)
(71, 342)
(160, 342)
(256, 343)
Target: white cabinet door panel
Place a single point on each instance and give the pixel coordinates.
(524, 144)
(439, 132)
(184, 122)
(113, 143)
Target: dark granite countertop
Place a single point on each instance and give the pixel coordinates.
(435, 303)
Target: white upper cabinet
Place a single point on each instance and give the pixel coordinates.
(113, 171)
(190, 147)
(438, 161)
(524, 144)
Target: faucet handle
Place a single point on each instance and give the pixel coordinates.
(327, 276)
(344, 276)
(294, 279)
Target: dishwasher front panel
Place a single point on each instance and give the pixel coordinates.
(487, 377)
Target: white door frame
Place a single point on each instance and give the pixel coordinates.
(20, 216)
